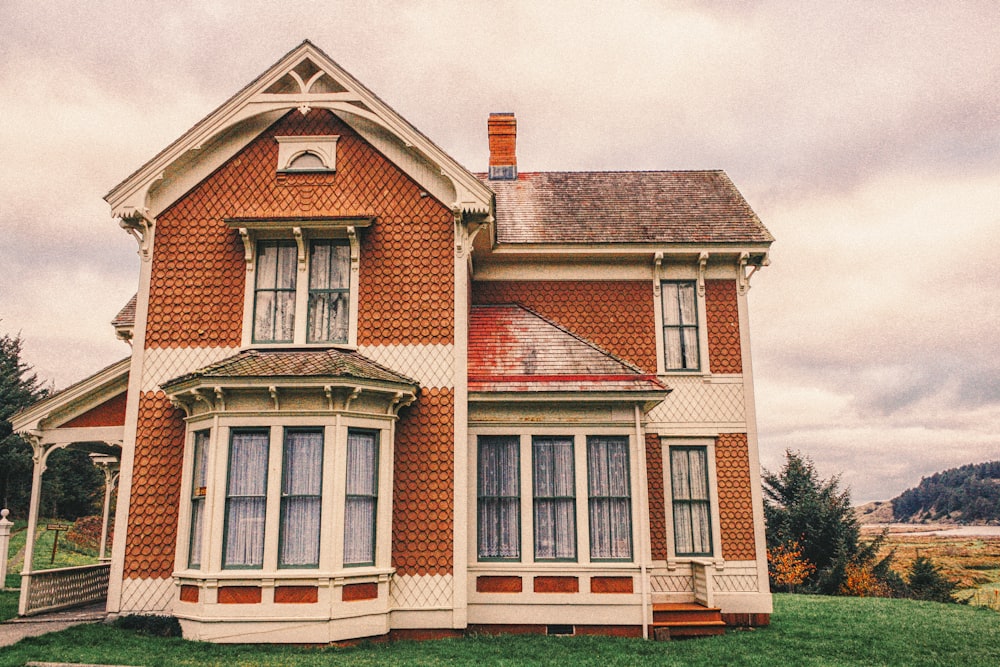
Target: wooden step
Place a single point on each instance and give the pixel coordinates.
(684, 620)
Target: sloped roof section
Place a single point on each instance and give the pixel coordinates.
(701, 207)
(295, 364)
(512, 349)
(125, 316)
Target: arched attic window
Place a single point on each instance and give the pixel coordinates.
(316, 153)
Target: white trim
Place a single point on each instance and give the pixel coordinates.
(75, 400)
(713, 498)
(324, 147)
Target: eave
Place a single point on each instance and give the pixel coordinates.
(74, 400)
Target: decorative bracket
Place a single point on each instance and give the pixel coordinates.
(301, 245)
(247, 246)
(756, 267)
(400, 401)
(140, 226)
(274, 396)
(702, 264)
(199, 396)
(352, 238)
(461, 233)
(328, 392)
(220, 396)
(657, 268)
(180, 405)
(741, 273)
(351, 398)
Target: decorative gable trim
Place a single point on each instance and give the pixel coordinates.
(304, 79)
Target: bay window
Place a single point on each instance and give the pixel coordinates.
(499, 498)
(301, 498)
(198, 492)
(246, 497)
(610, 498)
(554, 498)
(361, 498)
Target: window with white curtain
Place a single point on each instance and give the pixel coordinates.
(301, 497)
(246, 491)
(499, 497)
(691, 505)
(680, 326)
(554, 491)
(361, 498)
(329, 291)
(198, 493)
(610, 498)
(274, 292)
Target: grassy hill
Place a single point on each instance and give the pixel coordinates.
(805, 630)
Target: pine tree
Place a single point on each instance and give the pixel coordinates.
(19, 388)
(927, 583)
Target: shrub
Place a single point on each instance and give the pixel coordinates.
(153, 626)
(927, 583)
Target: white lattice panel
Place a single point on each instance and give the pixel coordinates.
(429, 365)
(694, 400)
(416, 592)
(672, 583)
(147, 596)
(735, 583)
(160, 364)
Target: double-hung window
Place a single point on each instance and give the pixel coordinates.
(610, 498)
(499, 501)
(362, 496)
(691, 505)
(198, 493)
(301, 498)
(246, 499)
(680, 326)
(279, 295)
(554, 498)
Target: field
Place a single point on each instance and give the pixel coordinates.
(972, 562)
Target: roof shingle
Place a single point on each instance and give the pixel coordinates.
(624, 207)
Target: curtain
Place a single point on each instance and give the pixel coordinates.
(274, 306)
(610, 501)
(692, 508)
(680, 325)
(245, 500)
(499, 497)
(554, 495)
(362, 493)
(301, 495)
(329, 291)
(198, 492)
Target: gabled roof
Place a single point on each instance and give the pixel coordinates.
(294, 364)
(696, 207)
(512, 349)
(304, 78)
(126, 316)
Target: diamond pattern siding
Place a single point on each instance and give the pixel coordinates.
(423, 486)
(429, 365)
(416, 592)
(695, 400)
(734, 583)
(723, 317)
(160, 364)
(657, 500)
(406, 273)
(676, 583)
(147, 596)
(732, 464)
(156, 483)
(615, 315)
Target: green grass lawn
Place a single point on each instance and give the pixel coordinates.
(805, 630)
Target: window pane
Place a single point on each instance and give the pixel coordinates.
(247, 484)
(610, 502)
(362, 493)
(274, 293)
(680, 326)
(554, 498)
(691, 506)
(198, 492)
(328, 317)
(329, 291)
(685, 301)
(301, 489)
(499, 497)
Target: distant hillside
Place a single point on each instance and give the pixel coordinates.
(970, 494)
(877, 512)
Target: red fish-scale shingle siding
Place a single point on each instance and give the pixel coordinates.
(423, 506)
(722, 313)
(156, 486)
(616, 315)
(732, 463)
(657, 501)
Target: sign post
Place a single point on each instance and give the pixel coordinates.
(56, 528)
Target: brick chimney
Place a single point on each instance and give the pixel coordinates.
(502, 130)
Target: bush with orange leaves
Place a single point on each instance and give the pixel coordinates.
(861, 580)
(787, 566)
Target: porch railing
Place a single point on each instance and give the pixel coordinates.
(48, 590)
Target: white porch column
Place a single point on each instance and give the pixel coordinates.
(39, 455)
(109, 466)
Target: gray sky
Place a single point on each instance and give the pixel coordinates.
(865, 135)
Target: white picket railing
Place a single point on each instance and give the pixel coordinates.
(48, 590)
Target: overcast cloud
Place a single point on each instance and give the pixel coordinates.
(865, 135)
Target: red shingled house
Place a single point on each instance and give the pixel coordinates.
(372, 392)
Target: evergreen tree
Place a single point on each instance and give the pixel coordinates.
(927, 583)
(19, 388)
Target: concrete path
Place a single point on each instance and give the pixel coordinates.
(16, 629)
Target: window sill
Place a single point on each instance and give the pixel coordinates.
(284, 574)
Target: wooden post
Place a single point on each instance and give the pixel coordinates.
(5, 527)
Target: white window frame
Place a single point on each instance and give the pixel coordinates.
(713, 497)
(302, 236)
(675, 273)
(582, 495)
(324, 147)
(334, 479)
